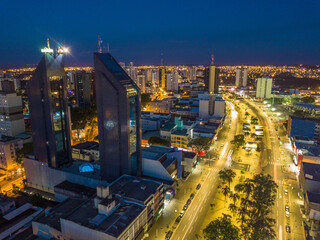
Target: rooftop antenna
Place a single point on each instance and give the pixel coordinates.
(212, 58)
(99, 44)
(48, 43)
(161, 58)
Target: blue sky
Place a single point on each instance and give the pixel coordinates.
(240, 32)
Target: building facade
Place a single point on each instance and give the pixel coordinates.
(11, 115)
(49, 113)
(119, 119)
(264, 87)
(211, 79)
(241, 77)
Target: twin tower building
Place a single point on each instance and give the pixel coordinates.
(118, 111)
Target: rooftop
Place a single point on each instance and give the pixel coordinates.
(180, 133)
(114, 224)
(155, 152)
(313, 197)
(311, 171)
(77, 188)
(90, 145)
(168, 127)
(134, 188)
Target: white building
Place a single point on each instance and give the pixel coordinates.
(241, 77)
(211, 106)
(264, 87)
(172, 81)
(11, 115)
(8, 146)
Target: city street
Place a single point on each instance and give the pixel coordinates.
(274, 162)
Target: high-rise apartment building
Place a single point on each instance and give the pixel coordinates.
(11, 114)
(49, 114)
(211, 79)
(119, 119)
(264, 87)
(241, 77)
(82, 87)
(162, 77)
(172, 81)
(141, 82)
(192, 73)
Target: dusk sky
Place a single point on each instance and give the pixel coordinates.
(240, 32)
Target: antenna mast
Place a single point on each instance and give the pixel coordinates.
(161, 58)
(212, 58)
(99, 44)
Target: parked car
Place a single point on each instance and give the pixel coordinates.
(189, 201)
(198, 186)
(168, 235)
(185, 207)
(182, 213)
(286, 192)
(178, 219)
(287, 214)
(288, 229)
(287, 208)
(191, 196)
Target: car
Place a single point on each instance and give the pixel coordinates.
(287, 208)
(278, 160)
(178, 219)
(191, 196)
(288, 229)
(182, 213)
(198, 186)
(189, 201)
(286, 192)
(168, 235)
(185, 207)
(287, 214)
(222, 144)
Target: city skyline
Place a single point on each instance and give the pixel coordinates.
(251, 33)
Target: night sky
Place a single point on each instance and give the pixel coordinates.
(240, 31)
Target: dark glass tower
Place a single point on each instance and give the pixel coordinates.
(119, 119)
(49, 112)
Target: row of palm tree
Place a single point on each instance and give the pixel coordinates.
(252, 202)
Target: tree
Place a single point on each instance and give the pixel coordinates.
(257, 196)
(200, 144)
(308, 99)
(227, 175)
(159, 141)
(235, 197)
(238, 141)
(20, 153)
(254, 120)
(37, 200)
(258, 148)
(233, 208)
(225, 191)
(145, 99)
(221, 229)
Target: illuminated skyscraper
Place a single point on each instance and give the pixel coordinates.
(211, 79)
(49, 113)
(119, 119)
(162, 77)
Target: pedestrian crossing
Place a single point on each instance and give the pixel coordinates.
(275, 163)
(279, 182)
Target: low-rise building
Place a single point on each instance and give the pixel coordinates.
(123, 210)
(87, 151)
